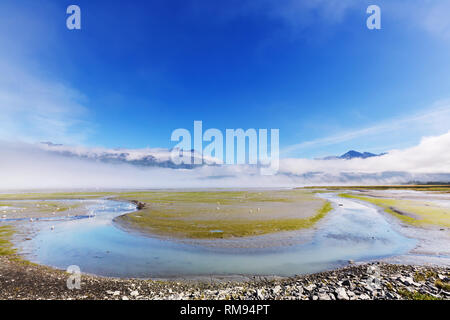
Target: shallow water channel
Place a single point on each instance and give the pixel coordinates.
(351, 231)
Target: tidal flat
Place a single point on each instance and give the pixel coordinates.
(175, 233)
(225, 214)
(425, 211)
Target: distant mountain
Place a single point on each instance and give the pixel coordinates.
(355, 154)
(352, 154)
(140, 157)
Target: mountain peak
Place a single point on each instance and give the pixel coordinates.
(352, 154)
(355, 154)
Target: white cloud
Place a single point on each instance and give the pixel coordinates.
(33, 109)
(430, 16)
(24, 166)
(432, 155)
(434, 120)
(127, 155)
(35, 104)
(436, 19)
(300, 14)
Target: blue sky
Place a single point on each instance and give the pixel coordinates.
(138, 70)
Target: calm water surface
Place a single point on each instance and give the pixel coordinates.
(352, 231)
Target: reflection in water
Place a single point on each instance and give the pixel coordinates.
(352, 231)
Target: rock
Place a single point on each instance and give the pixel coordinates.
(125, 298)
(310, 288)
(260, 294)
(300, 290)
(324, 296)
(369, 288)
(139, 205)
(351, 294)
(348, 283)
(276, 289)
(408, 281)
(341, 294)
(364, 297)
(134, 293)
(390, 295)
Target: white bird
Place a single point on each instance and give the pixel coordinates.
(31, 219)
(217, 208)
(259, 209)
(53, 227)
(4, 216)
(250, 211)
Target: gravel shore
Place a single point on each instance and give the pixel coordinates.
(23, 280)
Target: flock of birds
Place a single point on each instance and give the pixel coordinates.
(249, 211)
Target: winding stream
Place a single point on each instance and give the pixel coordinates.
(352, 231)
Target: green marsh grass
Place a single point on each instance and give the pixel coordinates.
(421, 212)
(6, 247)
(192, 214)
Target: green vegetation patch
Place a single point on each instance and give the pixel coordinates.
(209, 215)
(220, 197)
(416, 295)
(422, 276)
(444, 188)
(37, 206)
(442, 285)
(6, 247)
(410, 211)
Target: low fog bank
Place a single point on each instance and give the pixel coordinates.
(27, 166)
(430, 156)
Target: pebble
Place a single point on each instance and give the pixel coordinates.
(276, 290)
(350, 283)
(134, 293)
(341, 294)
